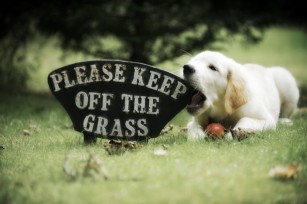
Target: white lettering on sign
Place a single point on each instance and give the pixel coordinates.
(131, 104)
(66, 80)
(138, 76)
(107, 72)
(166, 84)
(116, 127)
(80, 73)
(101, 126)
(130, 128)
(56, 79)
(180, 89)
(141, 104)
(81, 100)
(137, 105)
(92, 100)
(94, 77)
(119, 72)
(153, 79)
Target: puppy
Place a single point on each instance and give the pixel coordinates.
(242, 97)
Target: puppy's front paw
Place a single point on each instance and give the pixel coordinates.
(241, 133)
(228, 135)
(196, 133)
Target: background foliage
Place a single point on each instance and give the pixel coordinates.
(142, 30)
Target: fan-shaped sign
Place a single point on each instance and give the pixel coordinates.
(119, 99)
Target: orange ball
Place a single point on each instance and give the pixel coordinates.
(215, 130)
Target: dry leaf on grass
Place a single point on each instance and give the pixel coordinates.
(116, 147)
(73, 174)
(161, 151)
(32, 128)
(26, 132)
(93, 168)
(285, 172)
(167, 129)
(173, 129)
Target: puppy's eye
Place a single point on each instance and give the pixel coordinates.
(212, 67)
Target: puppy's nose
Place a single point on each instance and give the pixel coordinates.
(188, 69)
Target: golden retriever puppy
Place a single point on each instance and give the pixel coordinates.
(245, 97)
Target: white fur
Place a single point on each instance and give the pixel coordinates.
(263, 95)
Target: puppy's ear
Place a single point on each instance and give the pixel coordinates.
(235, 95)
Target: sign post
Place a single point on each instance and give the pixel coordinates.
(116, 99)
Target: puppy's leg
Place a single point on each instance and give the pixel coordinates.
(288, 91)
(254, 125)
(195, 130)
(247, 126)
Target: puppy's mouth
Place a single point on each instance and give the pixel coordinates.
(196, 103)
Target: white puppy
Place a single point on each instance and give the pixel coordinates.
(248, 97)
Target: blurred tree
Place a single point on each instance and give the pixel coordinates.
(148, 31)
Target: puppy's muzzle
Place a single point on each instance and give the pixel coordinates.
(198, 98)
(197, 101)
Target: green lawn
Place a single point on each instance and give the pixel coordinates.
(214, 171)
(36, 142)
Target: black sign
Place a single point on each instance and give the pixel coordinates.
(119, 99)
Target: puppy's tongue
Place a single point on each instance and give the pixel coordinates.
(197, 99)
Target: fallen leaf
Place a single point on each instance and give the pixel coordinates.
(160, 152)
(167, 129)
(32, 126)
(285, 172)
(94, 166)
(131, 145)
(73, 174)
(26, 132)
(117, 147)
(183, 129)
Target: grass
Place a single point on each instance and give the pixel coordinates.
(209, 171)
(214, 171)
